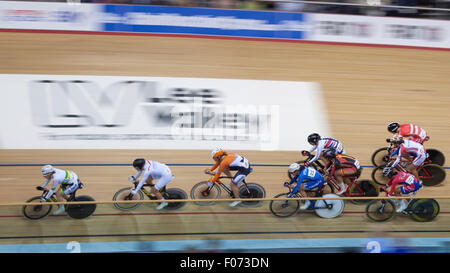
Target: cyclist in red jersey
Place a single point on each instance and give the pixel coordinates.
(409, 131)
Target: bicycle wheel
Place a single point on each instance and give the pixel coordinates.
(254, 191)
(199, 192)
(424, 210)
(432, 174)
(284, 208)
(378, 177)
(80, 211)
(329, 208)
(37, 210)
(122, 194)
(364, 188)
(380, 157)
(175, 193)
(380, 210)
(436, 157)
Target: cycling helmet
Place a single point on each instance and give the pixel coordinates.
(47, 169)
(396, 139)
(393, 127)
(313, 139)
(295, 167)
(388, 171)
(139, 163)
(216, 152)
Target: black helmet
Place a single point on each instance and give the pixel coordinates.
(393, 127)
(139, 163)
(313, 139)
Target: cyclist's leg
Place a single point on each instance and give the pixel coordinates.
(348, 174)
(416, 164)
(162, 182)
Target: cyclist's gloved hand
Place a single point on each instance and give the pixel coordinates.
(131, 178)
(306, 164)
(286, 184)
(39, 188)
(305, 153)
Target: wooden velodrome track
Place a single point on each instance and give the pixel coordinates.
(364, 88)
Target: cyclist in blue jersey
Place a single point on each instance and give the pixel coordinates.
(307, 179)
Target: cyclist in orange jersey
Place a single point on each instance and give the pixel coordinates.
(229, 162)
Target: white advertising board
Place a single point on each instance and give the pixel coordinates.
(110, 112)
(379, 30)
(49, 16)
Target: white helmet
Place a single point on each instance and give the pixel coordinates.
(47, 169)
(294, 167)
(216, 152)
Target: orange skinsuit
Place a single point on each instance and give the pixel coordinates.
(223, 164)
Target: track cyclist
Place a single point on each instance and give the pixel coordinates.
(307, 179)
(409, 131)
(229, 162)
(322, 144)
(343, 168)
(409, 150)
(68, 181)
(401, 184)
(151, 170)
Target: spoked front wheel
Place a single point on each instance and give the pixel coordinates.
(202, 190)
(380, 157)
(36, 210)
(380, 210)
(123, 194)
(81, 211)
(254, 191)
(175, 194)
(378, 177)
(284, 208)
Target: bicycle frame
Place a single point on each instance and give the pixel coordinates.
(225, 187)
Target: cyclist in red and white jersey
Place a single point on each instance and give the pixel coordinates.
(409, 131)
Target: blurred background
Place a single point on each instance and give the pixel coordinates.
(89, 86)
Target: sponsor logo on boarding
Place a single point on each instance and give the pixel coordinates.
(174, 113)
(414, 32)
(33, 15)
(343, 28)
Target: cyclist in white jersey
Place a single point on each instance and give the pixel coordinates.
(322, 144)
(68, 181)
(151, 170)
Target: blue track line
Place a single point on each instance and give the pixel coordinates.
(169, 164)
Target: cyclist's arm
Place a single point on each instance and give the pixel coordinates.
(46, 182)
(145, 179)
(294, 179)
(52, 190)
(224, 165)
(215, 166)
(392, 183)
(319, 148)
(138, 174)
(399, 156)
(299, 183)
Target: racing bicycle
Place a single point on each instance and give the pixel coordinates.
(356, 188)
(167, 193)
(421, 210)
(38, 209)
(324, 208)
(381, 156)
(430, 174)
(208, 190)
